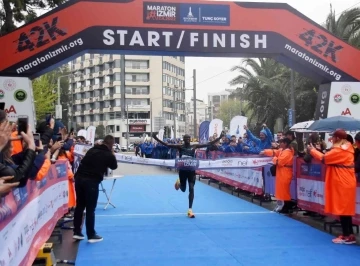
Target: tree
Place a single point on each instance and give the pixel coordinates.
(65, 93)
(100, 132)
(265, 85)
(14, 12)
(44, 97)
(346, 27)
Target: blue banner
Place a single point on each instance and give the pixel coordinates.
(202, 14)
(204, 131)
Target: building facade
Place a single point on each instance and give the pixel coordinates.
(215, 100)
(154, 90)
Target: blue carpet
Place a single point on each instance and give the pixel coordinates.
(149, 227)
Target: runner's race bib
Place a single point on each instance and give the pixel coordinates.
(187, 163)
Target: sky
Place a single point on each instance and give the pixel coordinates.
(213, 74)
(208, 69)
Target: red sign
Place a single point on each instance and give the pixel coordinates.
(137, 128)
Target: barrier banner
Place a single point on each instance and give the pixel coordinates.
(310, 188)
(269, 182)
(242, 177)
(28, 216)
(252, 161)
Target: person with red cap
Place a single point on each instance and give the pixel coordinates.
(340, 183)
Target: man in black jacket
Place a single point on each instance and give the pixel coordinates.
(87, 179)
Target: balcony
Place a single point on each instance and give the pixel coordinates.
(137, 83)
(108, 84)
(138, 107)
(137, 70)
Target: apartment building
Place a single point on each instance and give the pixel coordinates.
(215, 100)
(154, 89)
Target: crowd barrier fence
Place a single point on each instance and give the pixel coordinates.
(29, 215)
(307, 186)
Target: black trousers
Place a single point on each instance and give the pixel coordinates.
(87, 194)
(346, 225)
(190, 177)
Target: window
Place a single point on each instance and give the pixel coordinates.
(137, 102)
(117, 63)
(143, 77)
(107, 79)
(137, 64)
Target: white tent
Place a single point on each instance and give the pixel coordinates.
(302, 126)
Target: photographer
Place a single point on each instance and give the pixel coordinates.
(87, 179)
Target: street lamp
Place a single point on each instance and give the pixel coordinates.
(151, 114)
(58, 108)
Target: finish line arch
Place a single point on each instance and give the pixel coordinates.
(204, 28)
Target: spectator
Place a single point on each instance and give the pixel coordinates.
(340, 183)
(265, 140)
(21, 171)
(283, 161)
(294, 145)
(87, 179)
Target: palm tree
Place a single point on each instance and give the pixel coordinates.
(346, 27)
(266, 87)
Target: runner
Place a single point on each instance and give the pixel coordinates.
(187, 150)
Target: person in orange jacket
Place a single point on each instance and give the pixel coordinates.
(71, 186)
(16, 141)
(340, 183)
(283, 160)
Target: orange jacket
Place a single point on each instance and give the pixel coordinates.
(340, 180)
(43, 170)
(71, 187)
(283, 159)
(17, 144)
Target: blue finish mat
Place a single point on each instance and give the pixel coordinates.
(149, 227)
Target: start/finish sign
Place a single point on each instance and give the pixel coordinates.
(16, 98)
(181, 28)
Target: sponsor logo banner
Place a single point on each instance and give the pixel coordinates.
(162, 13)
(186, 163)
(29, 215)
(201, 14)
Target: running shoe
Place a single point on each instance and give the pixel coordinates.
(339, 240)
(177, 184)
(190, 214)
(350, 240)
